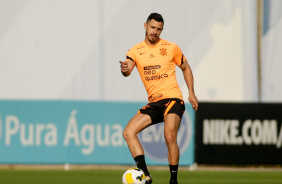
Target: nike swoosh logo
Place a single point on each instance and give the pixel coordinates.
(173, 171)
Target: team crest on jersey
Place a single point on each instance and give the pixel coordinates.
(163, 52)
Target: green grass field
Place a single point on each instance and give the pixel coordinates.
(159, 177)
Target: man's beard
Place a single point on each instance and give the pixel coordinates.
(150, 40)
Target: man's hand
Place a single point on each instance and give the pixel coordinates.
(126, 67)
(194, 101)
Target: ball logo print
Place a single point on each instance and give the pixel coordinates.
(153, 140)
(133, 176)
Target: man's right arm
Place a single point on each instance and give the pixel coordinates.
(126, 67)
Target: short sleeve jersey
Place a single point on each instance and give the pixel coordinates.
(156, 66)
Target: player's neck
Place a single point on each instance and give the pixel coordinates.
(149, 43)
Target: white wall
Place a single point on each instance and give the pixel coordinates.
(69, 49)
(271, 52)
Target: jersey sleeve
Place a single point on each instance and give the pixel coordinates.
(131, 55)
(179, 58)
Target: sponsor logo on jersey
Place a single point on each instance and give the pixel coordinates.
(152, 67)
(155, 97)
(156, 77)
(141, 47)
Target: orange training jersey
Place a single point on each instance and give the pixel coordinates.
(156, 66)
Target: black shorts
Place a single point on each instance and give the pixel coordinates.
(158, 110)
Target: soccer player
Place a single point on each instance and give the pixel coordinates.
(155, 60)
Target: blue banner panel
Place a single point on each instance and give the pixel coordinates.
(82, 132)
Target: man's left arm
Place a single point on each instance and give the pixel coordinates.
(189, 79)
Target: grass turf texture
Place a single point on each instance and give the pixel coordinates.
(159, 177)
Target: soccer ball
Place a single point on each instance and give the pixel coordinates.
(133, 176)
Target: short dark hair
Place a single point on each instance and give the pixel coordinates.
(157, 17)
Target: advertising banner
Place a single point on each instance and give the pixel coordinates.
(238, 133)
(81, 132)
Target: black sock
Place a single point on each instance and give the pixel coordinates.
(173, 172)
(141, 164)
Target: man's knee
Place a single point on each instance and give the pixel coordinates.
(170, 137)
(127, 134)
